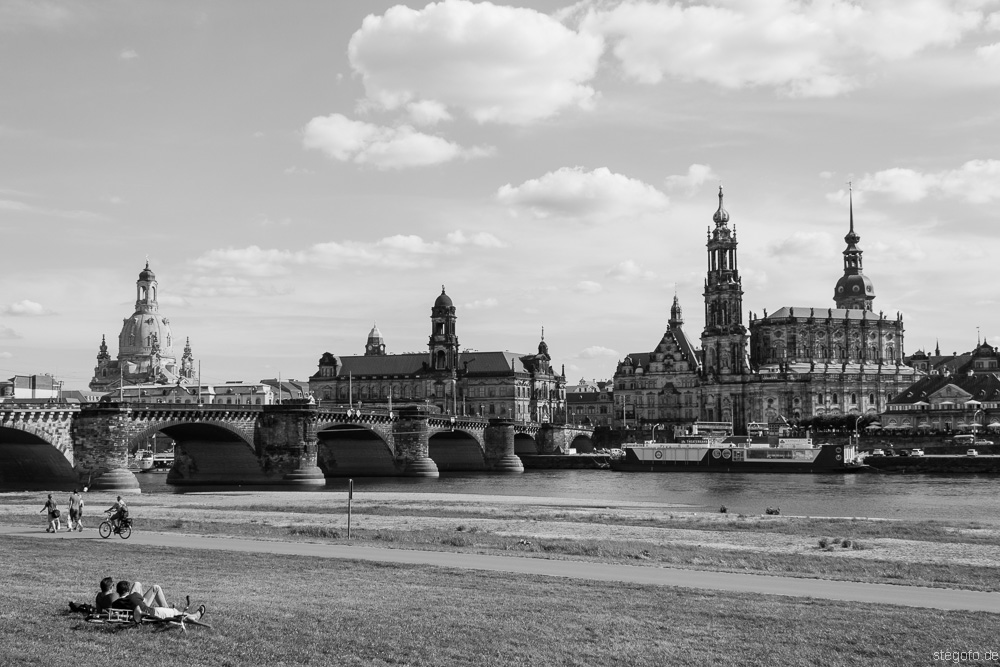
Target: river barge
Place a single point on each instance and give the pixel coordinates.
(720, 452)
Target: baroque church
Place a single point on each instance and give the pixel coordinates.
(503, 385)
(145, 347)
(794, 363)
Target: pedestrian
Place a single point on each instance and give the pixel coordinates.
(76, 511)
(53, 510)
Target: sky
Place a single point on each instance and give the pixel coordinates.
(295, 172)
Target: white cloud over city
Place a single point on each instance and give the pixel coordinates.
(490, 62)
(589, 196)
(797, 47)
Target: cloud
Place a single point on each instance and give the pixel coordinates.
(172, 301)
(629, 271)
(697, 175)
(25, 308)
(597, 352)
(588, 287)
(482, 239)
(976, 182)
(21, 207)
(479, 304)
(16, 15)
(297, 170)
(6, 333)
(128, 54)
(990, 53)
(395, 252)
(804, 245)
(799, 47)
(492, 62)
(216, 286)
(571, 192)
(428, 112)
(382, 147)
(4, 355)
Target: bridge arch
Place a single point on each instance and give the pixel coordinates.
(525, 444)
(456, 450)
(30, 458)
(582, 443)
(346, 449)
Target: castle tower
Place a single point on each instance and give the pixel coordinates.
(724, 339)
(854, 289)
(443, 343)
(676, 317)
(375, 347)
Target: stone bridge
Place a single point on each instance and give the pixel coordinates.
(298, 443)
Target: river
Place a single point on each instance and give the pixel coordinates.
(919, 497)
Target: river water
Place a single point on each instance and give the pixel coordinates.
(914, 497)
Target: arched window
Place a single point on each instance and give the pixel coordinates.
(836, 399)
(871, 398)
(854, 399)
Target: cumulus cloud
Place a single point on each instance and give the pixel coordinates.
(216, 286)
(4, 355)
(492, 62)
(382, 147)
(799, 47)
(629, 271)
(976, 182)
(479, 304)
(571, 192)
(482, 239)
(697, 175)
(26, 308)
(6, 333)
(597, 352)
(588, 287)
(990, 53)
(128, 54)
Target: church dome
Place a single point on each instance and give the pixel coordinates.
(443, 300)
(854, 285)
(147, 273)
(141, 331)
(721, 216)
(375, 336)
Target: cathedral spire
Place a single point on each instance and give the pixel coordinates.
(854, 290)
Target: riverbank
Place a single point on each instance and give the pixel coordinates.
(948, 554)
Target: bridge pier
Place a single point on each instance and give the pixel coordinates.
(411, 435)
(308, 472)
(101, 437)
(499, 440)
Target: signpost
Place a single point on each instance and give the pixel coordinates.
(350, 496)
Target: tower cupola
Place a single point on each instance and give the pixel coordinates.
(854, 289)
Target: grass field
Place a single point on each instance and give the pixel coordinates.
(277, 610)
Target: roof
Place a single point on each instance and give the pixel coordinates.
(823, 313)
(414, 363)
(983, 387)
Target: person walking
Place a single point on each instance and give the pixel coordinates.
(53, 510)
(76, 511)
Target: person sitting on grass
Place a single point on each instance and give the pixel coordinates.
(153, 603)
(107, 595)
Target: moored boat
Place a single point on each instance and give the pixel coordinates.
(718, 452)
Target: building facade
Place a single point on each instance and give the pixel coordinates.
(145, 346)
(507, 385)
(792, 364)
(591, 403)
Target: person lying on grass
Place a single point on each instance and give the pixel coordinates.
(153, 603)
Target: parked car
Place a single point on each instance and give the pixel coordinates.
(972, 452)
(903, 452)
(889, 452)
(878, 452)
(916, 452)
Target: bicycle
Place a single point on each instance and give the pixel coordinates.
(122, 527)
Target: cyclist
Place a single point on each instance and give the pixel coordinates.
(119, 512)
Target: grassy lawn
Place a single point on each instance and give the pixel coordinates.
(280, 610)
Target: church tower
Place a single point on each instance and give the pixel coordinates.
(854, 289)
(724, 339)
(443, 343)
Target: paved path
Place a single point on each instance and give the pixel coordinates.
(908, 596)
